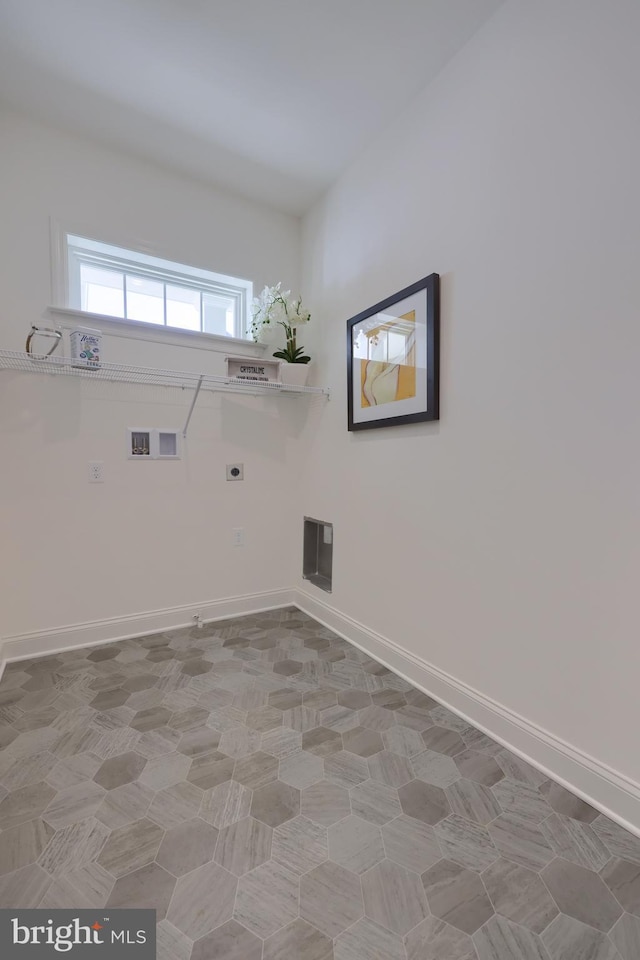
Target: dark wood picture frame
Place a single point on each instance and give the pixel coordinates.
(385, 392)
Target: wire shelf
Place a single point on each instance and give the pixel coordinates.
(121, 373)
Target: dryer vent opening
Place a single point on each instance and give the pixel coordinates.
(317, 553)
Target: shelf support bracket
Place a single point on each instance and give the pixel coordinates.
(193, 403)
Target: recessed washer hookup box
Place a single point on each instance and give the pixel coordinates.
(245, 368)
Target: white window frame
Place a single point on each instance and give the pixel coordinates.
(68, 255)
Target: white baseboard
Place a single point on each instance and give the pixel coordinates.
(28, 645)
(609, 791)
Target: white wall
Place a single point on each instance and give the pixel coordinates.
(502, 544)
(154, 535)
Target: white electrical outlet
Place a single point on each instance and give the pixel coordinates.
(96, 471)
(238, 536)
(235, 471)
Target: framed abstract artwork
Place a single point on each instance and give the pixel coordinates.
(393, 359)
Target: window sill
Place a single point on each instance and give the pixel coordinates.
(156, 333)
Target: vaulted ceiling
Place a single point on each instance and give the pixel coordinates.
(269, 98)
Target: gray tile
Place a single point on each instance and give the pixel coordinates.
(354, 699)
(131, 847)
(157, 743)
(520, 840)
(411, 843)
(435, 768)
(355, 844)
(187, 846)
(619, 841)
(623, 879)
(479, 767)
(243, 846)
(501, 940)
(226, 804)
(473, 801)
(300, 845)
(150, 719)
(23, 844)
(330, 898)
(275, 803)
(211, 769)
(434, 939)
(228, 942)
(240, 742)
(423, 801)
(267, 899)
(457, 896)
(74, 845)
(22, 771)
(366, 940)
(418, 718)
(187, 720)
(33, 741)
(256, 770)
(285, 699)
(403, 741)
(377, 718)
(202, 900)
(362, 741)
(389, 699)
(282, 742)
(575, 841)
(375, 801)
(516, 769)
(339, 719)
(519, 895)
(121, 769)
(301, 769)
(298, 941)
(346, 769)
(476, 740)
(287, 668)
(84, 888)
(521, 799)
(394, 897)
(301, 719)
(171, 943)
(24, 888)
(566, 803)
(27, 803)
(466, 843)
(175, 804)
(124, 805)
(321, 741)
(568, 939)
(150, 887)
(626, 937)
(325, 803)
(75, 803)
(581, 894)
(199, 743)
(117, 741)
(443, 740)
(320, 699)
(390, 768)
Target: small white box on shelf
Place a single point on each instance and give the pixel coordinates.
(246, 368)
(86, 347)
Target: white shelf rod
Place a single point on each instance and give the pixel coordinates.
(193, 403)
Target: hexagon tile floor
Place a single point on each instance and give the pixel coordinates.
(277, 795)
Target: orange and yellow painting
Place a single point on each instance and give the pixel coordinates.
(388, 369)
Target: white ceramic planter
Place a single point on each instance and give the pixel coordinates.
(294, 374)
